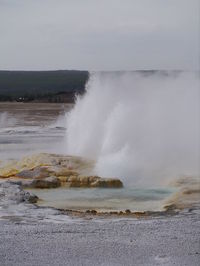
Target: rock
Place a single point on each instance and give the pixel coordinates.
(12, 192)
(113, 212)
(187, 196)
(93, 212)
(49, 182)
(27, 183)
(61, 165)
(51, 170)
(71, 182)
(30, 197)
(107, 183)
(62, 171)
(80, 181)
(93, 181)
(63, 179)
(170, 208)
(38, 173)
(189, 191)
(6, 172)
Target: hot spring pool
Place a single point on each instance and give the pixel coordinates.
(103, 199)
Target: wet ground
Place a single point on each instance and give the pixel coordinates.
(27, 128)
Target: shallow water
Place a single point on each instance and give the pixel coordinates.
(104, 199)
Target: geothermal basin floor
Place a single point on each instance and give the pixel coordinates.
(164, 240)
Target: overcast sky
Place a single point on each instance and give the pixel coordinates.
(99, 34)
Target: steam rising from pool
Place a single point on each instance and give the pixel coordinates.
(142, 127)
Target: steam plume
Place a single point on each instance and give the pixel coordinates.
(139, 126)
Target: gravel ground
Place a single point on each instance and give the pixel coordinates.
(152, 241)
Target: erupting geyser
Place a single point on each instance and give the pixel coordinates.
(140, 126)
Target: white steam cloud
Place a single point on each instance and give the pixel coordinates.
(139, 126)
(6, 120)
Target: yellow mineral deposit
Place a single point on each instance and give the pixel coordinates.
(52, 170)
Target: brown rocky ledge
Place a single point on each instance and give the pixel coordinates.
(52, 170)
(89, 214)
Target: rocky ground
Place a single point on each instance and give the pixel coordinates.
(52, 170)
(152, 241)
(31, 235)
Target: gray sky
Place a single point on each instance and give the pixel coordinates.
(99, 34)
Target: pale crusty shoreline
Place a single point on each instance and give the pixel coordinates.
(152, 241)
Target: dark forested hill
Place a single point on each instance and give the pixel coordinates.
(47, 86)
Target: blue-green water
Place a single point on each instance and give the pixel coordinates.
(104, 199)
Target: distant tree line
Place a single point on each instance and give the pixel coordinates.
(43, 86)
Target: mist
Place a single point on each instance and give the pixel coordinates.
(6, 120)
(142, 127)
